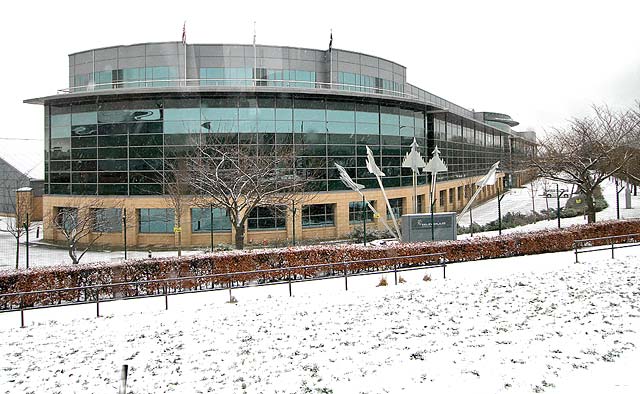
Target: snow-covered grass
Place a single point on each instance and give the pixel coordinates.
(523, 324)
(518, 200)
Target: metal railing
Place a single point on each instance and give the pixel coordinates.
(58, 297)
(605, 243)
(233, 82)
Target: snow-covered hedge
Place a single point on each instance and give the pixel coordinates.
(240, 261)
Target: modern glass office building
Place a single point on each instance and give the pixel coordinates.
(130, 109)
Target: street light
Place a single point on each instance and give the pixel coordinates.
(434, 166)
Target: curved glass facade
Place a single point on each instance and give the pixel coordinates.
(120, 147)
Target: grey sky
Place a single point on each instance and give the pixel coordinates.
(541, 61)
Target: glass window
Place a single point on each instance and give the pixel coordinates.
(156, 220)
(201, 219)
(84, 118)
(60, 131)
(129, 115)
(357, 210)
(396, 207)
(183, 126)
(318, 215)
(182, 114)
(420, 203)
(107, 220)
(66, 218)
(267, 218)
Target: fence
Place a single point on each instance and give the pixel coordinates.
(22, 301)
(605, 243)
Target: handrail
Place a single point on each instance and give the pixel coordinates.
(232, 82)
(95, 289)
(588, 242)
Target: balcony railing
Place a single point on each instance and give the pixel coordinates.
(233, 82)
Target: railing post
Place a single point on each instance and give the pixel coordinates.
(612, 248)
(21, 311)
(395, 273)
(97, 303)
(575, 251)
(444, 269)
(166, 297)
(123, 379)
(289, 283)
(346, 286)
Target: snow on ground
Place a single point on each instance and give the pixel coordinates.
(522, 324)
(518, 199)
(42, 254)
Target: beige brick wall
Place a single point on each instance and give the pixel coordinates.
(341, 229)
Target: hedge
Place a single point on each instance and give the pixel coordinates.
(56, 277)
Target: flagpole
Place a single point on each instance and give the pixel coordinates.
(331, 59)
(184, 45)
(255, 57)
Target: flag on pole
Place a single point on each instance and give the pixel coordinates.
(184, 33)
(331, 40)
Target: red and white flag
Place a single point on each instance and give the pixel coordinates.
(184, 33)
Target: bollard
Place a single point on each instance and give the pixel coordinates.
(38, 232)
(444, 270)
(289, 284)
(576, 251)
(123, 379)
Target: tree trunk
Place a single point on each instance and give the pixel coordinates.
(179, 243)
(72, 254)
(240, 237)
(591, 207)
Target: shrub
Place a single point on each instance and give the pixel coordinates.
(383, 282)
(227, 265)
(401, 280)
(357, 234)
(426, 278)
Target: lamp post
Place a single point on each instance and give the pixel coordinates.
(558, 203)
(364, 221)
(124, 230)
(293, 229)
(211, 225)
(434, 166)
(26, 230)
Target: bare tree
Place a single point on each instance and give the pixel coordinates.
(19, 221)
(588, 151)
(533, 188)
(239, 178)
(177, 193)
(82, 224)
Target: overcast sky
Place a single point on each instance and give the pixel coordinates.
(541, 61)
